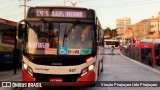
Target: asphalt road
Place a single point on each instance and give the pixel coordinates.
(116, 68)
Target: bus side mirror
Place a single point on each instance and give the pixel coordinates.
(19, 29)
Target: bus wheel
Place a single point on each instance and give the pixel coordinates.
(102, 66)
(98, 68)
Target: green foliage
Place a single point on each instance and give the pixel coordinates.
(110, 32)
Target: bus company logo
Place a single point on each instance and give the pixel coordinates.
(41, 69)
(73, 51)
(85, 51)
(62, 50)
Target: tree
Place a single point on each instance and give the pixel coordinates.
(110, 33)
(107, 32)
(114, 33)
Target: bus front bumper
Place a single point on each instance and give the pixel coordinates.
(86, 80)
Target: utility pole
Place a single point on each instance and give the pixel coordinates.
(64, 2)
(24, 9)
(158, 28)
(25, 2)
(74, 4)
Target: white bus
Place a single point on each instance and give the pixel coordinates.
(108, 43)
(60, 46)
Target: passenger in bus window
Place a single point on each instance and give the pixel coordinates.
(85, 41)
(74, 37)
(149, 55)
(53, 37)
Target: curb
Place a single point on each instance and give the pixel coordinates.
(141, 64)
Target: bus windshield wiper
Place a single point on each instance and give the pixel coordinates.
(43, 21)
(64, 35)
(70, 30)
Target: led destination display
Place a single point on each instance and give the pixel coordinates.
(65, 13)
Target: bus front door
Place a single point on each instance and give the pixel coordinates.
(146, 56)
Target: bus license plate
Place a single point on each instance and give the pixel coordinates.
(56, 79)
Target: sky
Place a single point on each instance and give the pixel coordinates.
(107, 10)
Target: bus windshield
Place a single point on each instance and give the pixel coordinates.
(60, 38)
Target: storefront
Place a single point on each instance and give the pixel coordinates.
(7, 40)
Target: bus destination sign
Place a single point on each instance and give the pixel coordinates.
(57, 13)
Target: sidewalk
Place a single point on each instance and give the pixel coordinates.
(121, 68)
(155, 69)
(10, 76)
(115, 51)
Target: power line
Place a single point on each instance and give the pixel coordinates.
(127, 4)
(25, 4)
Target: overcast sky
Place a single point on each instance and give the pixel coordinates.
(107, 10)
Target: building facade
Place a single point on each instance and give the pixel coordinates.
(122, 24)
(146, 29)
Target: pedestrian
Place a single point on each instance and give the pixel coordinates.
(112, 48)
(14, 60)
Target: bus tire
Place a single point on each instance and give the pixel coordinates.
(102, 66)
(98, 69)
(92, 85)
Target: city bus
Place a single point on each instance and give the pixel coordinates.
(142, 52)
(156, 43)
(108, 43)
(62, 46)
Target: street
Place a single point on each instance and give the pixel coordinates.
(116, 68)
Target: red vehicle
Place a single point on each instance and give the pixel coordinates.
(142, 52)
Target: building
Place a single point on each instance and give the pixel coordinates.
(139, 30)
(154, 27)
(122, 24)
(147, 28)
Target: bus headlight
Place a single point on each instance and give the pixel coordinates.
(28, 69)
(87, 69)
(25, 66)
(91, 67)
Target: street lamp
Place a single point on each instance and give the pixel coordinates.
(25, 7)
(74, 4)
